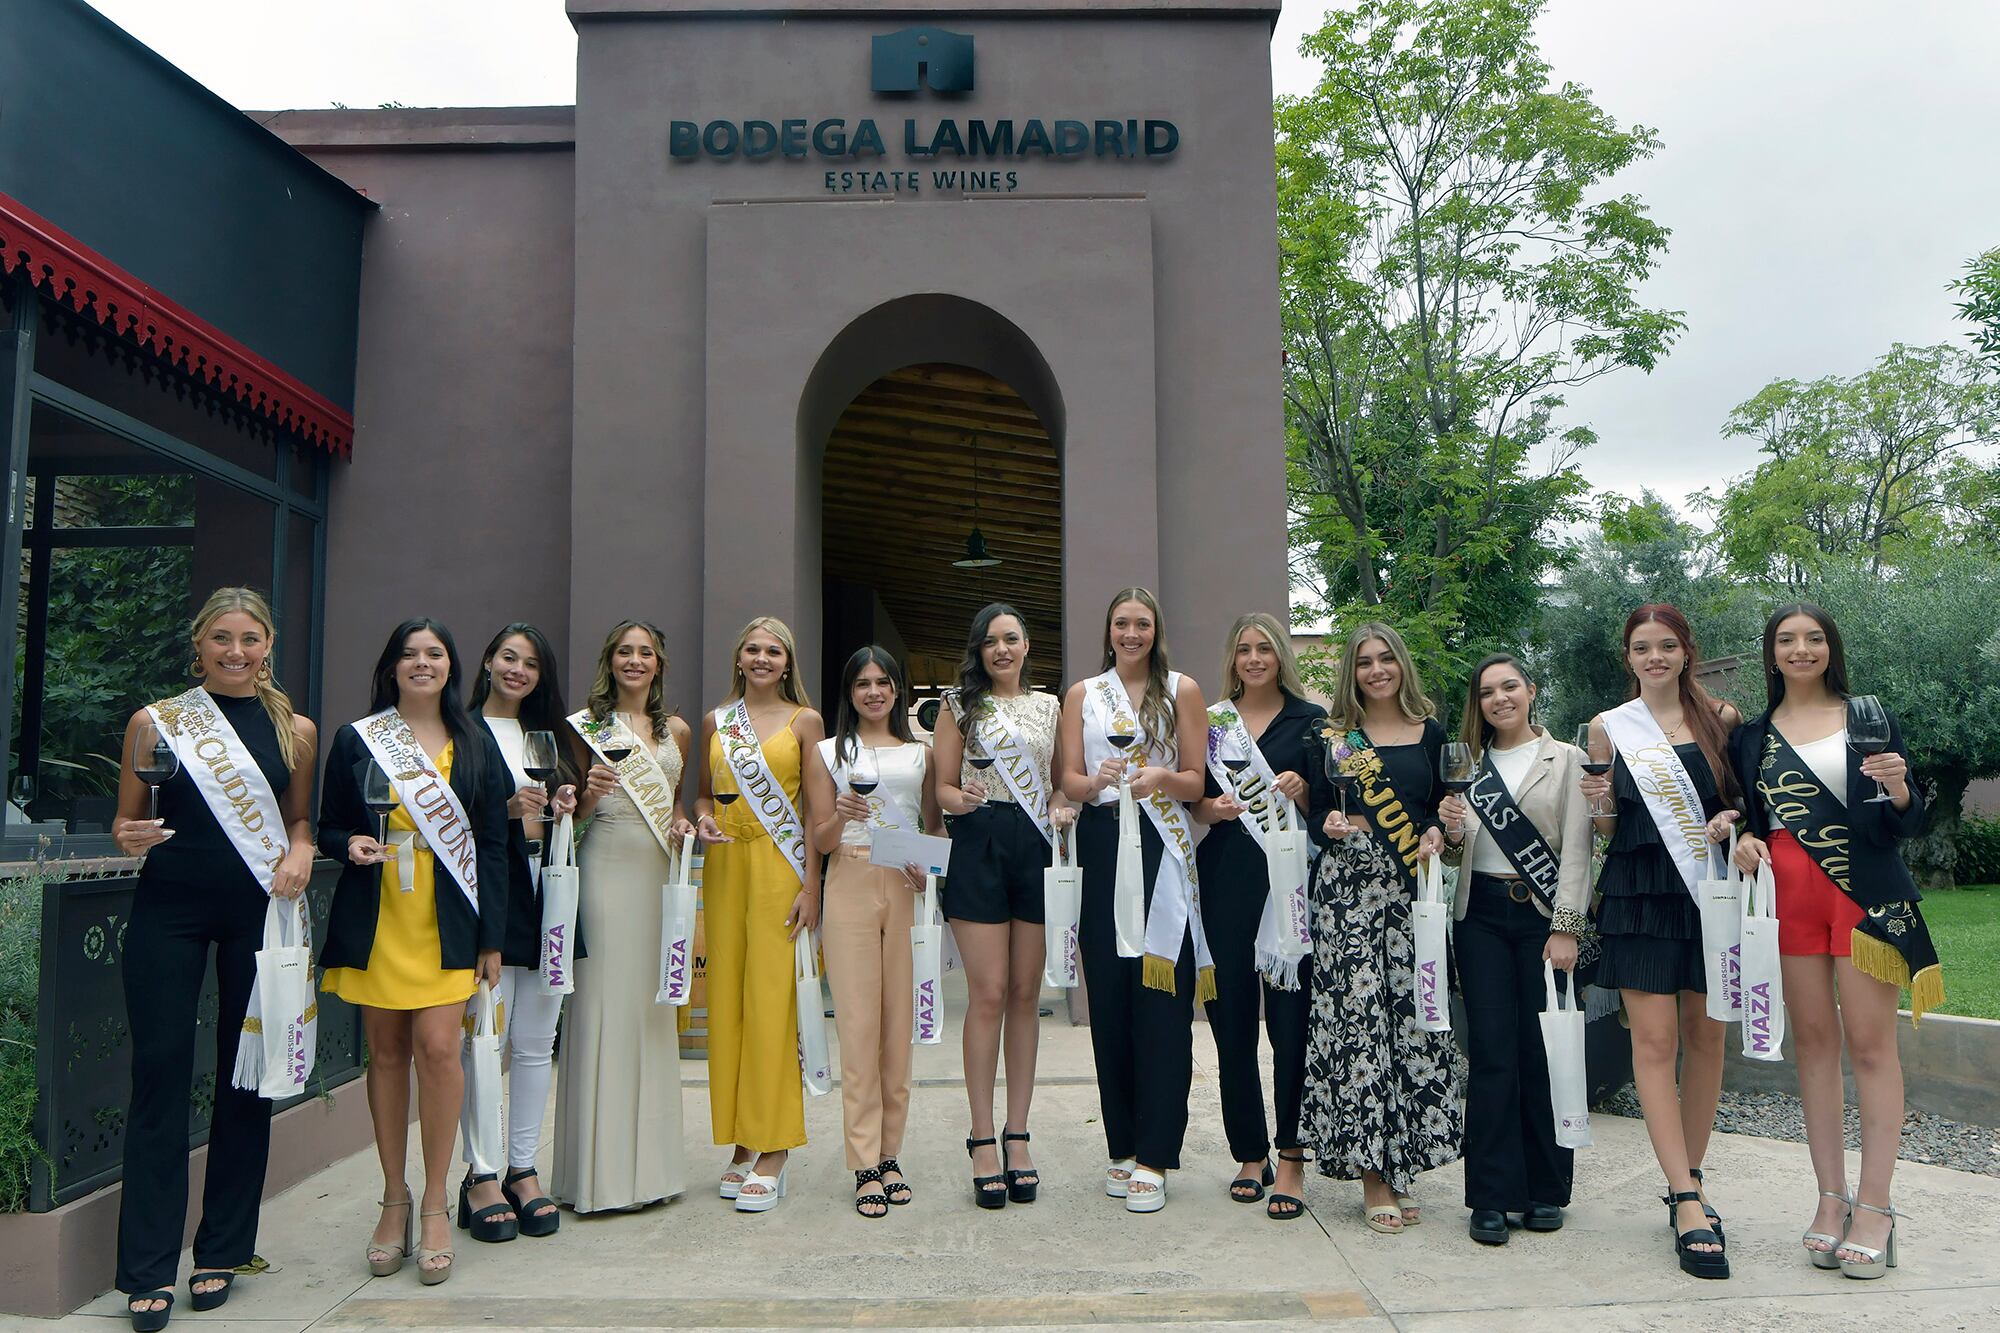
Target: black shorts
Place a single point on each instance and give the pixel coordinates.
(997, 859)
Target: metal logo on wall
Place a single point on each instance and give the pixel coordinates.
(903, 62)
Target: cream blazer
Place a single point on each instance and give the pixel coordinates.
(1548, 796)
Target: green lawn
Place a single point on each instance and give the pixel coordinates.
(1965, 925)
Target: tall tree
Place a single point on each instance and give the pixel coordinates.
(1451, 266)
(1981, 289)
(1875, 467)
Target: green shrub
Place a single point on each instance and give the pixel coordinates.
(20, 969)
(1978, 851)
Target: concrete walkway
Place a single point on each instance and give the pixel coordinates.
(1076, 1259)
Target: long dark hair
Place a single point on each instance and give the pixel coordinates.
(1836, 652)
(467, 737)
(1474, 729)
(603, 698)
(847, 723)
(974, 683)
(1698, 706)
(543, 708)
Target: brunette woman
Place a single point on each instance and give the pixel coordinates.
(1522, 839)
(212, 866)
(1382, 1095)
(1000, 790)
(1849, 932)
(417, 919)
(871, 774)
(1265, 731)
(1668, 747)
(1132, 745)
(519, 690)
(618, 1102)
(760, 888)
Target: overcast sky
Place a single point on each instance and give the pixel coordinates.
(1828, 164)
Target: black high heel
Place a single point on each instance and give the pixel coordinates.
(1695, 1263)
(1018, 1190)
(988, 1191)
(150, 1321)
(1284, 1207)
(209, 1300)
(1256, 1183)
(526, 1215)
(485, 1224)
(1714, 1218)
(899, 1191)
(872, 1199)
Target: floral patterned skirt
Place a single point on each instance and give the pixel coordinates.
(1381, 1094)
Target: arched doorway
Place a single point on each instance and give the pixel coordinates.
(914, 463)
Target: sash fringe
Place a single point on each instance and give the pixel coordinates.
(1204, 984)
(1874, 958)
(1158, 974)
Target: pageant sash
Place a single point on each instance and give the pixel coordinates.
(224, 772)
(1391, 816)
(744, 754)
(1176, 906)
(426, 797)
(1527, 851)
(638, 773)
(1670, 794)
(1012, 760)
(1892, 943)
(1284, 931)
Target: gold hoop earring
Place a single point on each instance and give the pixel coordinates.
(194, 669)
(264, 672)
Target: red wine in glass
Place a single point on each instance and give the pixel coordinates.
(616, 752)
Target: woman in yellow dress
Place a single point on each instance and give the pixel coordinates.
(760, 888)
(407, 942)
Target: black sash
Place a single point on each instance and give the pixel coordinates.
(1526, 850)
(1391, 818)
(1892, 943)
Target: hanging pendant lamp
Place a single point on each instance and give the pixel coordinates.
(976, 555)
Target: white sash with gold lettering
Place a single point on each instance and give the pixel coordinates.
(1283, 931)
(426, 797)
(744, 754)
(1025, 780)
(227, 776)
(638, 773)
(1671, 797)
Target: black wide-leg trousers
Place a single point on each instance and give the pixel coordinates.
(1142, 1038)
(165, 957)
(1231, 920)
(1511, 1157)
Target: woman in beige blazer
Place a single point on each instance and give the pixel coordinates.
(1522, 838)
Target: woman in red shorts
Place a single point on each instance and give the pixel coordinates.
(1848, 925)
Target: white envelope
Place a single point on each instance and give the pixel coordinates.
(896, 848)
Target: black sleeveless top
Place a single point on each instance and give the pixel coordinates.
(200, 853)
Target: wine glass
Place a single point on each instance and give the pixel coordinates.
(863, 774)
(153, 762)
(1455, 769)
(1594, 766)
(538, 757)
(378, 793)
(724, 787)
(1342, 780)
(1868, 732)
(976, 752)
(1234, 752)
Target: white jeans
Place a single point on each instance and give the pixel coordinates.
(529, 1015)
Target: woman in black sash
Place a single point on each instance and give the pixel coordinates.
(1847, 916)
(1648, 921)
(1260, 679)
(195, 889)
(1523, 899)
(1383, 1099)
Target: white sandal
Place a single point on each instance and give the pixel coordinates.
(773, 1190)
(1115, 1185)
(730, 1189)
(1138, 1200)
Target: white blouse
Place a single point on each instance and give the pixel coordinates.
(897, 801)
(1513, 766)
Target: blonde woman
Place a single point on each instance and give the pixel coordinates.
(201, 885)
(760, 888)
(1383, 1098)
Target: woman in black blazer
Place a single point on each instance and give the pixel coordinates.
(1847, 918)
(418, 918)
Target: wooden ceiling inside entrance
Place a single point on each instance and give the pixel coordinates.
(897, 489)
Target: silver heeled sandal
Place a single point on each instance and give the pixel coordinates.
(1826, 1258)
(1875, 1262)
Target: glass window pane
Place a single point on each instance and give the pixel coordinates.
(295, 640)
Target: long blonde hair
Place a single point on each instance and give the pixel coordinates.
(791, 685)
(1347, 710)
(604, 690)
(1288, 663)
(1156, 709)
(277, 704)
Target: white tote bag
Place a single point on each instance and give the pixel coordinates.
(815, 1065)
(927, 970)
(274, 1052)
(677, 908)
(559, 889)
(1720, 898)
(1062, 906)
(485, 1140)
(1763, 979)
(1430, 923)
(1569, 1085)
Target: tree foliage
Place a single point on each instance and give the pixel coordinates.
(1981, 289)
(1450, 268)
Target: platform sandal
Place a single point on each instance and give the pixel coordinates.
(1873, 1262)
(149, 1321)
(988, 1191)
(538, 1216)
(387, 1260)
(486, 1224)
(874, 1198)
(1695, 1263)
(1285, 1207)
(1714, 1218)
(429, 1276)
(899, 1191)
(1019, 1189)
(215, 1298)
(1826, 1258)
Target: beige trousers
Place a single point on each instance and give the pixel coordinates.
(865, 934)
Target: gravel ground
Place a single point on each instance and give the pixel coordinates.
(1927, 1138)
